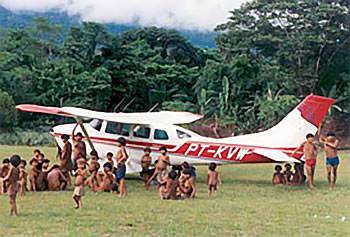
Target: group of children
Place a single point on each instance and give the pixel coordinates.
(287, 176)
(178, 183)
(309, 150)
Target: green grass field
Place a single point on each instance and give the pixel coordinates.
(247, 205)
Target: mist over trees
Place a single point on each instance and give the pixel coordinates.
(269, 55)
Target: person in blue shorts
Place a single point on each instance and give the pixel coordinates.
(121, 157)
(332, 160)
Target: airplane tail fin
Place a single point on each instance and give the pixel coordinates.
(305, 118)
(290, 132)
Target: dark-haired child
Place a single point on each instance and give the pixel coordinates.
(13, 177)
(108, 183)
(92, 181)
(79, 150)
(162, 164)
(278, 177)
(213, 178)
(66, 162)
(80, 176)
(310, 153)
(4, 169)
(171, 187)
(33, 174)
(36, 154)
(23, 175)
(146, 161)
(121, 157)
(288, 174)
(41, 181)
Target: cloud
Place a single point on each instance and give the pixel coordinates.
(184, 14)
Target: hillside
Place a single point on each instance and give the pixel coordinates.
(10, 19)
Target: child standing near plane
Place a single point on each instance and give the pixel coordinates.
(146, 161)
(213, 178)
(332, 160)
(310, 153)
(161, 167)
(66, 164)
(33, 174)
(121, 157)
(79, 183)
(79, 149)
(13, 177)
(94, 166)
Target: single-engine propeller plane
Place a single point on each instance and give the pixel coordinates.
(155, 129)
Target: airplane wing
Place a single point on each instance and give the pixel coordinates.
(275, 155)
(164, 117)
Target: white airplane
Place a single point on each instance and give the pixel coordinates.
(156, 129)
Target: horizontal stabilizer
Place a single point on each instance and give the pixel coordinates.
(275, 155)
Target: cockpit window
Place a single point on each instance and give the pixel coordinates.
(160, 135)
(96, 124)
(182, 135)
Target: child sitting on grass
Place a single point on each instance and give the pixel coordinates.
(213, 178)
(278, 177)
(171, 187)
(109, 182)
(13, 178)
(22, 177)
(288, 174)
(79, 183)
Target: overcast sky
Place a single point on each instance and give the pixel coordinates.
(185, 14)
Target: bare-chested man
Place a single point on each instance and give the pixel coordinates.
(162, 164)
(66, 157)
(332, 160)
(56, 180)
(79, 149)
(310, 153)
(41, 180)
(121, 157)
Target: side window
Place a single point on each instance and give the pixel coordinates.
(112, 127)
(160, 135)
(141, 131)
(118, 128)
(96, 124)
(181, 134)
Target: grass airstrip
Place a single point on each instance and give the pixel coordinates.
(247, 205)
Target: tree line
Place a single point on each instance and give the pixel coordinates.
(269, 55)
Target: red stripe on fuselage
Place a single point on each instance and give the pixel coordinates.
(204, 150)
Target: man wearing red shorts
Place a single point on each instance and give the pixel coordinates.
(310, 154)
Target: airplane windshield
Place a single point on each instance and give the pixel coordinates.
(96, 124)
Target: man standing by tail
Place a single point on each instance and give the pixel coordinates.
(332, 160)
(310, 154)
